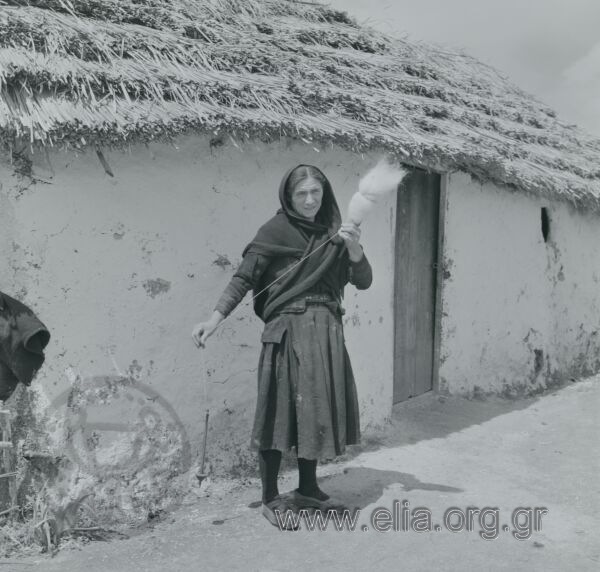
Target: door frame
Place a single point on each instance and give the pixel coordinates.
(439, 283)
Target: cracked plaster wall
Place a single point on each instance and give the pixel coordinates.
(519, 314)
(121, 268)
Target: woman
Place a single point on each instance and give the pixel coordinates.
(306, 390)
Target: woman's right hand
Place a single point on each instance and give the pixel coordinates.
(203, 330)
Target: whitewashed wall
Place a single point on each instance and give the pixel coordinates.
(519, 314)
(121, 268)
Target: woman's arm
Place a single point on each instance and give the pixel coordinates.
(350, 233)
(203, 330)
(245, 278)
(360, 272)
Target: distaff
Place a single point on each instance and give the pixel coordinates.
(380, 181)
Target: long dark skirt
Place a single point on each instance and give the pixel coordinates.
(306, 391)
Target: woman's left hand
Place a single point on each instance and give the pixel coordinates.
(350, 233)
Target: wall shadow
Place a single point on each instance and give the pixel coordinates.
(433, 416)
(359, 487)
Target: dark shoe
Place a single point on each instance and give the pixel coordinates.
(288, 519)
(302, 501)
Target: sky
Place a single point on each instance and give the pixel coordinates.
(549, 48)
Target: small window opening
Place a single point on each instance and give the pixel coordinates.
(545, 224)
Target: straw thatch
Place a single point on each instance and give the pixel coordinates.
(107, 72)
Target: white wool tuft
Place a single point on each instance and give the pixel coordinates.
(358, 208)
(381, 180)
(378, 182)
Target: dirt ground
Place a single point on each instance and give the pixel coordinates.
(439, 453)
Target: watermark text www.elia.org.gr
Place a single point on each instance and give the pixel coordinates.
(401, 518)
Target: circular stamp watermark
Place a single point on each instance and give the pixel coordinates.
(118, 430)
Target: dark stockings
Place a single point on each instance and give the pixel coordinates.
(307, 479)
(269, 461)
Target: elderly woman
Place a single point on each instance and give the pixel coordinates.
(306, 391)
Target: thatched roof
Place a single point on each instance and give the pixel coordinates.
(108, 72)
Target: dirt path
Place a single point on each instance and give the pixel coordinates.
(541, 452)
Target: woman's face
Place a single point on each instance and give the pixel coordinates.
(307, 197)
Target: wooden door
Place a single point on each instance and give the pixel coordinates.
(416, 257)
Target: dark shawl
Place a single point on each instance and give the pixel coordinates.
(23, 338)
(291, 235)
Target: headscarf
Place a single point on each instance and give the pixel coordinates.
(290, 234)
